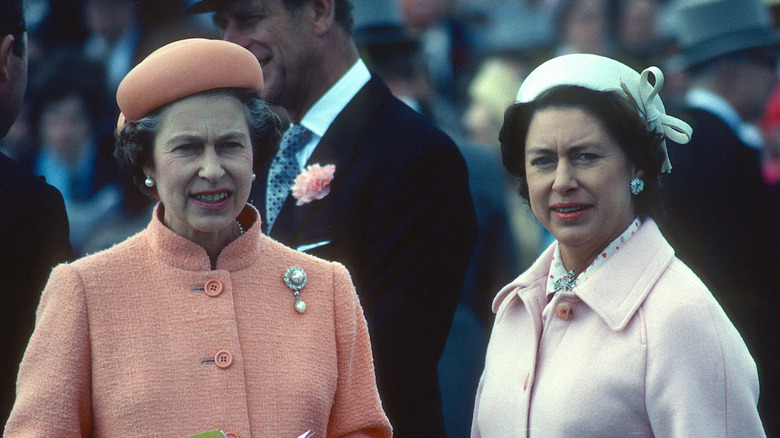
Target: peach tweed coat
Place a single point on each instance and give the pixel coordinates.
(129, 342)
(640, 349)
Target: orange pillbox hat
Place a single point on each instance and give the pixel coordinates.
(184, 68)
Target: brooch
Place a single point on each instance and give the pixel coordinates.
(565, 283)
(295, 278)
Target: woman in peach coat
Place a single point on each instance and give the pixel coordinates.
(198, 323)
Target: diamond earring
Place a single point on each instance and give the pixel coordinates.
(637, 185)
(149, 182)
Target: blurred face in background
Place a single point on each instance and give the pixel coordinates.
(109, 18)
(755, 79)
(64, 127)
(637, 24)
(584, 26)
(421, 14)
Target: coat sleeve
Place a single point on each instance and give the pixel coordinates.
(53, 388)
(357, 406)
(701, 379)
(33, 239)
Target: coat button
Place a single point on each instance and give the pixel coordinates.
(223, 359)
(563, 311)
(213, 288)
(230, 435)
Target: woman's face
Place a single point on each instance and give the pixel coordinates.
(202, 165)
(65, 127)
(578, 182)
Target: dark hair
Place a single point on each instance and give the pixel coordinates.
(134, 142)
(620, 117)
(12, 23)
(343, 12)
(67, 73)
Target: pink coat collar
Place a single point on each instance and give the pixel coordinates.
(615, 291)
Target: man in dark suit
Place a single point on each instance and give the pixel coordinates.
(721, 216)
(399, 214)
(33, 223)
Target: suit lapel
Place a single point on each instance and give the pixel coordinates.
(339, 146)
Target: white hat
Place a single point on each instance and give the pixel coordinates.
(603, 74)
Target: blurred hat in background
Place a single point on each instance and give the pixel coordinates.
(709, 29)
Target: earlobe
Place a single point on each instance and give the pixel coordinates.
(5, 57)
(147, 170)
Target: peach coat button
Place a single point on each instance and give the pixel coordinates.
(223, 359)
(563, 311)
(230, 435)
(213, 288)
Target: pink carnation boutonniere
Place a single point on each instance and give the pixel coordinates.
(313, 183)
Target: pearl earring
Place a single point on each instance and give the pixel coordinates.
(149, 182)
(637, 185)
(254, 177)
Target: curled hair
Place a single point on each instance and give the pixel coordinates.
(135, 141)
(623, 122)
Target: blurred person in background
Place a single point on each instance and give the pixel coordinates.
(722, 217)
(583, 27)
(487, 92)
(770, 130)
(114, 32)
(69, 116)
(200, 322)
(446, 44)
(33, 222)
(120, 33)
(637, 33)
(394, 54)
(607, 334)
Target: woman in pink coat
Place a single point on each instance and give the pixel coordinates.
(608, 334)
(199, 323)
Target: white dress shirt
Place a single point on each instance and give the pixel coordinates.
(319, 118)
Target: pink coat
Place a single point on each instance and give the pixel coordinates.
(140, 341)
(640, 349)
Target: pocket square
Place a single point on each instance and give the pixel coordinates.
(304, 248)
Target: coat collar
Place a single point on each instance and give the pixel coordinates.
(616, 290)
(182, 253)
(339, 146)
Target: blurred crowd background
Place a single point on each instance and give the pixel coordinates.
(460, 62)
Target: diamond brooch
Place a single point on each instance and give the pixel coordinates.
(295, 278)
(565, 283)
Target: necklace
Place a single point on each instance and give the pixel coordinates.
(240, 228)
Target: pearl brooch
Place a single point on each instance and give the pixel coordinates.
(295, 278)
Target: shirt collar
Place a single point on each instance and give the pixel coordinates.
(325, 110)
(706, 100)
(558, 271)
